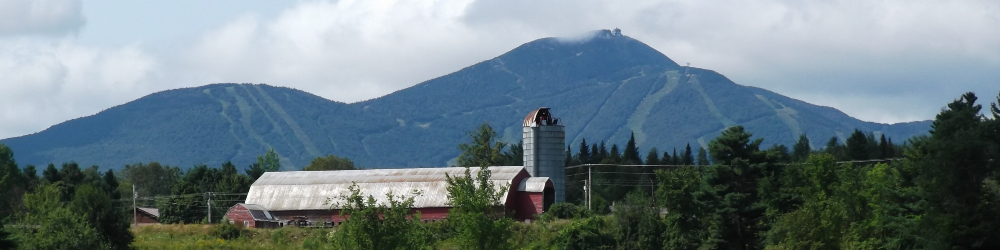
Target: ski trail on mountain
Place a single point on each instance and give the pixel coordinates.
(293, 125)
(638, 117)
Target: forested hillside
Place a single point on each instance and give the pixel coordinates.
(608, 86)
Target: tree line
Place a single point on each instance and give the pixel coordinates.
(69, 207)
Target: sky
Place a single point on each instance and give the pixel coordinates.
(882, 61)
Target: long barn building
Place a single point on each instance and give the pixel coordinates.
(313, 198)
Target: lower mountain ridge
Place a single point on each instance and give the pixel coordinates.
(605, 87)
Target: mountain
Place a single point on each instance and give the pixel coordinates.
(603, 87)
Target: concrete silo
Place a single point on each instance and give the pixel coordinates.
(545, 149)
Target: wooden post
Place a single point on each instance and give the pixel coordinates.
(135, 215)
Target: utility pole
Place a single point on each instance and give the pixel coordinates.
(135, 216)
(586, 198)
(590, 187)
(209, 207)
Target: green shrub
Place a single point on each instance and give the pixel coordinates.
(588, 233)
(227, 231)
(565, 211)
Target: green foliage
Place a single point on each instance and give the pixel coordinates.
(686, 219)
(732, 185)
(54, 225)
(565, 211)
(638, 224)
(801, 149)
(485, 149)
(6, 242)
(514, 155)
(478, 216)
(99, 212)
(372, 224)
(631, 154)
(227, 231)
(589, 233)
(270, 161)
(952, 166)
(151, 179)
(330, 162)
(12, 182)
(702, 157)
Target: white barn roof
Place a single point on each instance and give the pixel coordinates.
(321, 190)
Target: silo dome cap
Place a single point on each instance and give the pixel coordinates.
(540, 117)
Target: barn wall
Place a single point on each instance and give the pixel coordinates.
(528, 205)
(145, 219)
(238, 214)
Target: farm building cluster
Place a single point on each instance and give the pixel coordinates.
(311, 198)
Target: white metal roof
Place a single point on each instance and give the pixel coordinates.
(320, 190)
(533, 184)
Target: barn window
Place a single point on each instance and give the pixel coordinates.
(246, 223)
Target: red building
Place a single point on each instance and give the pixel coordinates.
(311, 198)
(146, 216)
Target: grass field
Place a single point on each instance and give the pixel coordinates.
(197, 236)
(200, 237)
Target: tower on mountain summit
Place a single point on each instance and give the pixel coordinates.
(544, 149)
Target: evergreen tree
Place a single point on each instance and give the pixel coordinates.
(857, 146)
(631, 154)
(584, 154)
(12, 182)
(653, 157)
(603, 152)
(569, 161)
(955, 163)
(51, 174)
(891, 151)
(801, 149)
(733, 182)
(595, 156)
(614, 157)
(834, 148)
(254, 171)
(676, 158)
(702, 157)
(514, 155)
(885, 149)
(688, 158)
(31, 178)
(666, 159)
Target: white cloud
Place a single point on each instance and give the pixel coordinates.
(49, 81)
(40, 17)
(349, 50)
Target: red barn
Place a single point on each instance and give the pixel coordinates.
(250, 215)
(310, 198)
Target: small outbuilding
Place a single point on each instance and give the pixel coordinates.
(146, 216)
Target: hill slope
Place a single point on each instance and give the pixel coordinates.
(603, 87)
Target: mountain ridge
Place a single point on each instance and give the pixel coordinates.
(606, 87)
